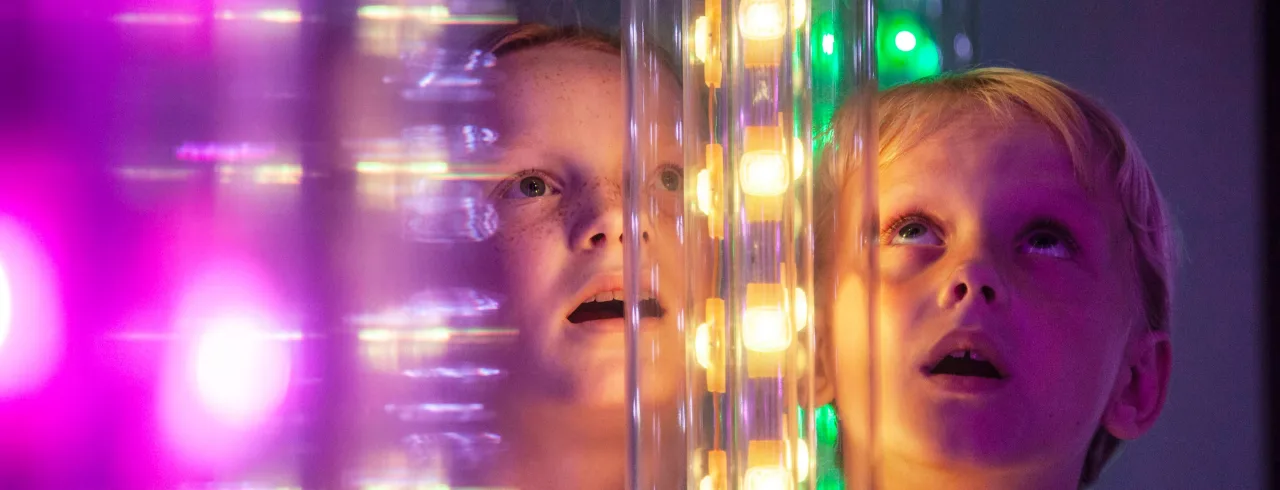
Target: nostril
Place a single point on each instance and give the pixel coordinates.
(644, 236)
(961, 290)
(988, 293)
(598, 238)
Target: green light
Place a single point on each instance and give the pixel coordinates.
(828, 426)
(905, 48)
(905, 40)
(831, 480)
(826, 50)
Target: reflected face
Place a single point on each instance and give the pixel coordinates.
(560, 240)
(1006, 299)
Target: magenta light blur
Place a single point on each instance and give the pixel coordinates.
(229, 367)
(31, 329)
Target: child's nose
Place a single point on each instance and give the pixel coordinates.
(600, 239)
(973, 281)
(598, 226)
(601, 230)
(598, 220)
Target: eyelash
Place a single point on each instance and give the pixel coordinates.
(914, 215)
(1038, 225)
(1056, 228)
(502, 189)
(668, 166)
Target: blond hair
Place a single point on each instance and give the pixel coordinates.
(524, 36)
(1102, 152)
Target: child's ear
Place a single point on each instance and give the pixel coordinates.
(824, 386)
(1141, 386)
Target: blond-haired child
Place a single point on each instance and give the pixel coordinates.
(1025, 270)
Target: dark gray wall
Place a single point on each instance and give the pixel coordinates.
(1184, 76)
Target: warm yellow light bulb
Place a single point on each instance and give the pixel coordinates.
(768, 478)
(707, 483)
(765, 325)
(763, 173)
(702, 345)
(801, 308)
(799, 10)
(701, 38)
(704, 191)
(765, 329)
(762, 19)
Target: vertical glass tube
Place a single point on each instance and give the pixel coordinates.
(749, 128)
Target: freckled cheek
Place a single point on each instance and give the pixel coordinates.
(531, 250)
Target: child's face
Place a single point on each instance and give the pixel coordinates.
(1006, 301)
(560, 239)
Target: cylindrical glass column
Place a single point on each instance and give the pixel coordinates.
(755, 92)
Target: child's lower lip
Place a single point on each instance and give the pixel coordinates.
(967, 385)
(609, 326)
(603, 326)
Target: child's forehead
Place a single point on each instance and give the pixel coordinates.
(978, 142)
(1008, 162)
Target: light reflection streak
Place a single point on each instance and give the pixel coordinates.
(463, 373)
(404, 168)
(161, 336)
(449, 212)
(482, 335)
(263, 174)
(156, 19)
(434, 14)
(154, 174)
(224, 152)
(440, 412)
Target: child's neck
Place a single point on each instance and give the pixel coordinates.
(898, 474)
(568, 450)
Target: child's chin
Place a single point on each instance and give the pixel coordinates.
(606, 387)
(958, 434)
(980, 443)
(603, 387)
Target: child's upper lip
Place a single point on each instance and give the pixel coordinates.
(966, 338)
(611, 281)
(605, 282)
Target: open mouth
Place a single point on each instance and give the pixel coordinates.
(609, 305)
(966, 362)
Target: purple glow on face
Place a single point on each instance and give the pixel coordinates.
(228, 372)
(30, 313)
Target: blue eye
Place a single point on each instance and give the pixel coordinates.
(533, 186)
(672, 179)
(1048, 244)
(529, 186)
(913, 231)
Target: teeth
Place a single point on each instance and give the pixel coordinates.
(615, 296)
(966, 354)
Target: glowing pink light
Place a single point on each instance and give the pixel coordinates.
(241, 370)
(229, 370)
(31, 329)
(6, 305)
